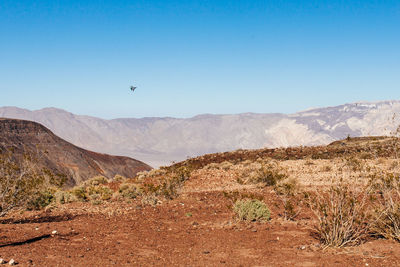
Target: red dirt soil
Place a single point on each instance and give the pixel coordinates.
(197, 229)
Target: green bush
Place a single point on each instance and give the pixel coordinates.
(251, 210)
(42, 200)
(99, 192)
(97, 180)
(129, 190)
(23, 184)
(119, 178)
(80, 193)
(63, 197)
(168, 184)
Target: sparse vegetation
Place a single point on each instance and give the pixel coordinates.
(267, 174)
(166, 182)
(343, 215)
(364, 204)
(287, 191)
(251, 210)
(23, 184)
(387, 205)
(129, 190)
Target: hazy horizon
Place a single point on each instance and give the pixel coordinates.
(204, 114)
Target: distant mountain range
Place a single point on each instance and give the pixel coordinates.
(159, 141)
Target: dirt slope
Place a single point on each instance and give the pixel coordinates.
(20, 136)
(199, 228)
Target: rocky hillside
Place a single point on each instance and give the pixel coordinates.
(159, 141)
(48, 150)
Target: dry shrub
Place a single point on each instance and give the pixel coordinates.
(23, 184)
(99, 192)
(387, 205)
(234, 196)
(94, 189)
(79, 193)
(119, 178)
(152, 173)
(343, 215)
(211, 166)
(287, 192)
(394, 165)
(251, 210)
(388, 221)
(129, 190)
(97, 180)
(150, 200)
(226, 165)
(354, 164)
(62, 197)
(268, 174)
(167, 185)
(326, 168)
(309, 162)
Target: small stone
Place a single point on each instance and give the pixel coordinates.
(12, 262)
(36, 228)
(277, 238)
(206, 252)
(254, 230)
(2, 261)
(302, 247)
(54, 232)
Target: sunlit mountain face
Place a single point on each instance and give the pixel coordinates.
(159, 141)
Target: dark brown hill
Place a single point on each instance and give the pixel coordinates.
(359, 147)
(56, 154)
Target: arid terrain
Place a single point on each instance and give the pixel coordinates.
(22, 138)
(160, 140)
(182, 215)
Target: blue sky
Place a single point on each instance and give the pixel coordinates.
(192, 57)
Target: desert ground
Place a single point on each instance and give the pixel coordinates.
(190, 220)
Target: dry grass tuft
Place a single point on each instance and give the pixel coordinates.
(343, 215)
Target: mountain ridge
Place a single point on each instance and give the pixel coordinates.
(161, 140)
(24, 137)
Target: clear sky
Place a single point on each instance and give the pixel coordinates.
(192, 57)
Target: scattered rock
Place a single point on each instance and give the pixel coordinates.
(54, 232)
(12, 262)
(206, 252)
(2, 261)
(302, 247)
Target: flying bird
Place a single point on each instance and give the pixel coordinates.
(133, 88)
